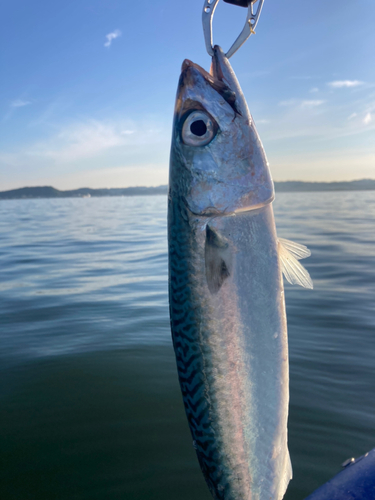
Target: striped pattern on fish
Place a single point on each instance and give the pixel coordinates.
(225, 288)
(186, 314)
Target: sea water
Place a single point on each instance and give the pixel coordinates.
(90, 406)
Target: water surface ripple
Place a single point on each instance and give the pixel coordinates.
(90, 404)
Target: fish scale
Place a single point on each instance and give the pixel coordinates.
(225, 288)
(185, 333)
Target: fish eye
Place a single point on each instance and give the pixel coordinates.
(198, 129)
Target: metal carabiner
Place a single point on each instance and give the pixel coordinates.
(250, 24)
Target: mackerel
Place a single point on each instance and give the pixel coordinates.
(226, 292)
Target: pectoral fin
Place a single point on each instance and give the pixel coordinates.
(217, 259)
(289, 253)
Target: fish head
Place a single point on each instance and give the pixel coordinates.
(218, 164)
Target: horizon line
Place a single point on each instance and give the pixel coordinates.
(166, 185)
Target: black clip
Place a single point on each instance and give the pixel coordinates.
(240, 3)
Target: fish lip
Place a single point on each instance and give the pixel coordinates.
(216, 71)
(188, 69)
(190, 65)
(217, 62)
(187, 63)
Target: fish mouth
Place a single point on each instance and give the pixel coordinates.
(189, 72)
(219, 61)
(216, 74)
(229, 176)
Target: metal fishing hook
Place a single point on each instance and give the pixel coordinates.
(250, 24)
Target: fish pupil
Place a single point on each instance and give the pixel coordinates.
(198, 128)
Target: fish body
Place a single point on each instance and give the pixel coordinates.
(226, 292)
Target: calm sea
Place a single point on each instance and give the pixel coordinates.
(89, 399)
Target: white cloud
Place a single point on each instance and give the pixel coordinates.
(301, 104)
(300, 77)
(94, 140)
(81, 141)
(111, 36)
(367, 119)
(338, 84)
(93, 145)
(314, 89)
(288, 102)
(316, 121)
(19, 103)
(88, 139)
(311, 104)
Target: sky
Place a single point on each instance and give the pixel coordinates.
(87, 88)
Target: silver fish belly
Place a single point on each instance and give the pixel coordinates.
(226, 289)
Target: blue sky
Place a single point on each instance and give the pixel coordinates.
(88, 87)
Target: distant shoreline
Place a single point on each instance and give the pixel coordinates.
(280, 187)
